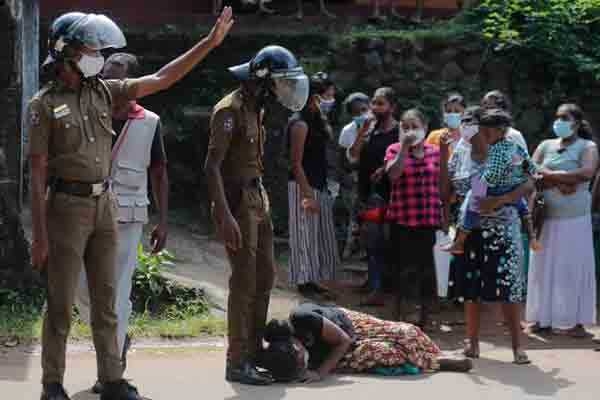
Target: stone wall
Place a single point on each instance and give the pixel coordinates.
(15, 268)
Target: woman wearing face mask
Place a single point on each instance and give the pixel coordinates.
(452, 108)
(319, 340)
(326, 94)
(368, 151)
(357, 107)
(490, 268)
(314, 253)
(562, 283)
(414, 211)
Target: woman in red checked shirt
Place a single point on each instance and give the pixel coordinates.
(414, 212)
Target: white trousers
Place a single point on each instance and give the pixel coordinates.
(129, 237)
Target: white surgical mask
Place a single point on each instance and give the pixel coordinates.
(419, 135)
(90, 65)
(468, 131)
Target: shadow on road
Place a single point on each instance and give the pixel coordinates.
(15, 364)
(529, 378)
(277, 392)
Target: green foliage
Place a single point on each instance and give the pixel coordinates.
(154, 294)
(567, 32)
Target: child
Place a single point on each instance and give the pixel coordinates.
(507, 166)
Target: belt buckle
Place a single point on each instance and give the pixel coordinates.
(97, 189)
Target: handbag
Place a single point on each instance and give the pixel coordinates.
(374, 210)
(538, 213)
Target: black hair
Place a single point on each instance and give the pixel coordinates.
(471, 115)
(321, 82)
(500, 99)
(454, 97)
(353, 98)
(585, 128)
(416, 113)
(128, 60)
(280, 358)
(387, 93)
(495, 118)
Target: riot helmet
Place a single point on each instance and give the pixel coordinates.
(74, 30)
(278, 72)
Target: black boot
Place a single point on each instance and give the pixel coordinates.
(54, 391)
(97, 388)
(119, 390)
(247, 374)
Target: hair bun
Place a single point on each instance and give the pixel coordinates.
(278, 331)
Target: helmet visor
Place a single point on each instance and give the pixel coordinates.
(98, 32)
(291, 89)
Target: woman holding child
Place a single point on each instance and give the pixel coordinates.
(562, 282)
(489, 269)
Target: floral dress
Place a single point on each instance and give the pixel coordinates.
(491, 267)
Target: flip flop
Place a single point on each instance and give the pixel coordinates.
(521, 358)
(469, 349)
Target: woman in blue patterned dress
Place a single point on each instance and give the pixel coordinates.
(490, 269)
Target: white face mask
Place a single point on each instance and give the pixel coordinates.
(90, 65)
(468, 131)
(419, 136)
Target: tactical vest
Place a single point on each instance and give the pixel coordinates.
(129, 172)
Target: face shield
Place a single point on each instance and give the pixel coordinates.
(291, 88)
(97, 32)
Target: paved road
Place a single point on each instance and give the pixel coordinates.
(197, 373)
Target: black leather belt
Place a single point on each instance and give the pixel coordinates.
(81, 189)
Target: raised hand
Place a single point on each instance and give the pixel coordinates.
(221, 27)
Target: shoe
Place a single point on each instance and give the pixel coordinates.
(97, 388)
(120, 390)
(54, 391)
(247, 374)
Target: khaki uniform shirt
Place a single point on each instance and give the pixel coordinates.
(236, 133)
(74, 127)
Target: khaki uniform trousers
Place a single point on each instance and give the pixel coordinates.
(252, 276)
(82, 232)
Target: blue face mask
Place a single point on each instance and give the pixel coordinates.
(360, 120)
(563, 129)
(452, 120)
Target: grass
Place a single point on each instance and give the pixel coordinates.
(27, 327)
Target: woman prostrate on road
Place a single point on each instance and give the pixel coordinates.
(317, 341)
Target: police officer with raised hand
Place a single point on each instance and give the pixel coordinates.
(74, 223)
(234, 169)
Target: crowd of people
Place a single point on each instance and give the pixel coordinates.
(93, 149)
(520, 226)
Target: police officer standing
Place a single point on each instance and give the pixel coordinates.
(234, 170)
(71, 138)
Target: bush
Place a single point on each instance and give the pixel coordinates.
(566, 32)
(154, 294)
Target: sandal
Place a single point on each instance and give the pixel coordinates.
(521, 358)
(578, 332)
(471, 348)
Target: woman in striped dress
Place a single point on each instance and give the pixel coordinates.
(313, 247)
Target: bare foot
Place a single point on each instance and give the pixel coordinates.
(471, 348)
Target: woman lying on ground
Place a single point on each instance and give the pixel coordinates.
(318, 340)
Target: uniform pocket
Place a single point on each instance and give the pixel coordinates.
(67, 137)
(129, 175)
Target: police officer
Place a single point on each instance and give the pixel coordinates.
(240, 205)
(75, 225)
